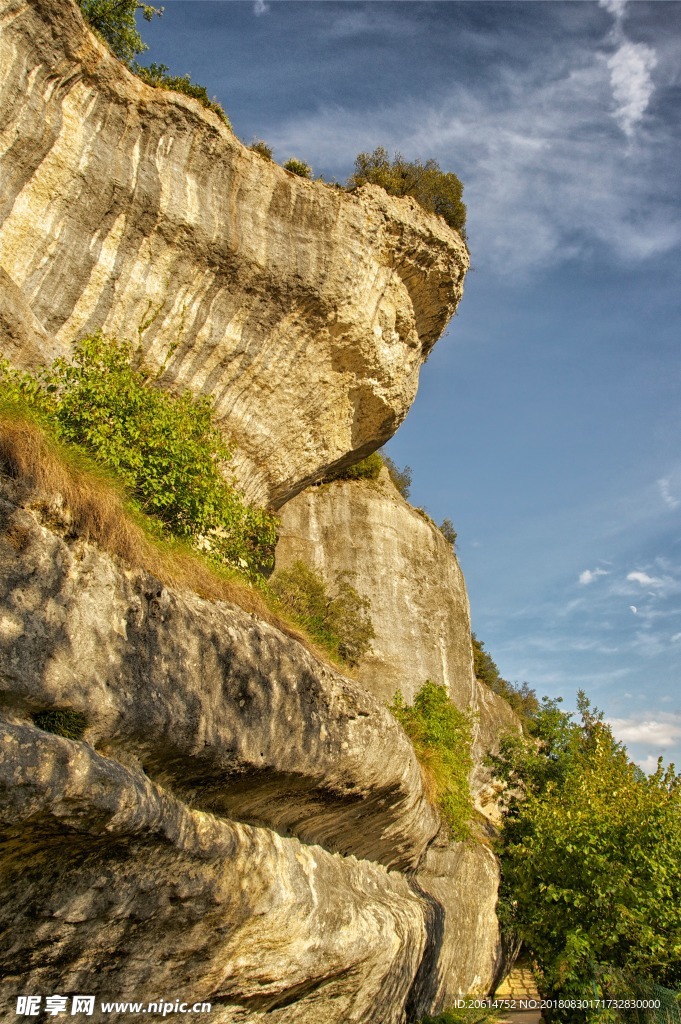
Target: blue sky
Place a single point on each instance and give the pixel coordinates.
(548, 420)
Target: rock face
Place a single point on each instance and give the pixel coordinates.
(306, 312)
(113, 888)
(407, 570)
(129, 867)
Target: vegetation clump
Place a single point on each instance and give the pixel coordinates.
(447, 530)
(298, 167)
(433, 189)
(368, 469)
(62, 722)
(522, 698)
(261, 147)
(334, 615)
(441, 736)
(157, 75)
(401, 478)
(164, 448)
(590, 852)
(114, 21)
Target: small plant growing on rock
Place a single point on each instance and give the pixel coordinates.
(400, 477)
(368, 469)
(298, 167)
(157, 75)
(262, 149)
(334, 615)
(448, 532)
(441, 736)
(62, 722)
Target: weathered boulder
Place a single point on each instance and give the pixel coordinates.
(113, 888)
(229, 712)
(305, 311)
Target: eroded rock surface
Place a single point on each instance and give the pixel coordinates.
(232, 714)
(306, 312)
(113, 888)
(407, 570)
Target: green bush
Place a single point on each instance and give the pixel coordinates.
(258, 146)
(442, 737)
(165, 448)
(62, 722)
(447, 530)
(590, 853)
(114, 20)
(463, 1015)
(368, 469)
(298, 167)
(334, 615)
(522, 698)
(400, 477)
(434, 190)
(157, 76)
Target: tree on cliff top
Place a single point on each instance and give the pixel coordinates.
(435, 190)
(115, 22)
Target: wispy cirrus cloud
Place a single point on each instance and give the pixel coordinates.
(664, 485)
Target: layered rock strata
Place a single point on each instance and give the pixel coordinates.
(231, 714)
(304, 311)
(113, 888)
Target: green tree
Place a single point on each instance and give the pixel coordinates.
(400, 477)
(298, 167)
(435, 190)
(115, 21)
(590, 851)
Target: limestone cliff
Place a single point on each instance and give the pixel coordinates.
(305, 311)
(240, 823)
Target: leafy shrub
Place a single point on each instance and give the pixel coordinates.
(157, 76)
(62, 722)
(462, 1015)
(298, 167)
(258, 146)
(114, 21)
(163, 447)
(335, 615)
(400, 477)
(590, 850)
(434, 190)
(367, 469)
(447, 530)
(441, 736)
(522, 698)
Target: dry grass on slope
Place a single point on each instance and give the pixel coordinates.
(88, 503)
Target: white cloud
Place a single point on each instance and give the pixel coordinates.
(589, 575)
(644, 579)
(634, 609)
(648, 764)
(660, 730)
(676, 638)
(664, 484)
(632, 86)
(614, 7)
(260, 7)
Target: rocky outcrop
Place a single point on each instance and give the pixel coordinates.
(407, 570)
(231, 714)
(113, 888)
(305, 311)
(463, 880)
